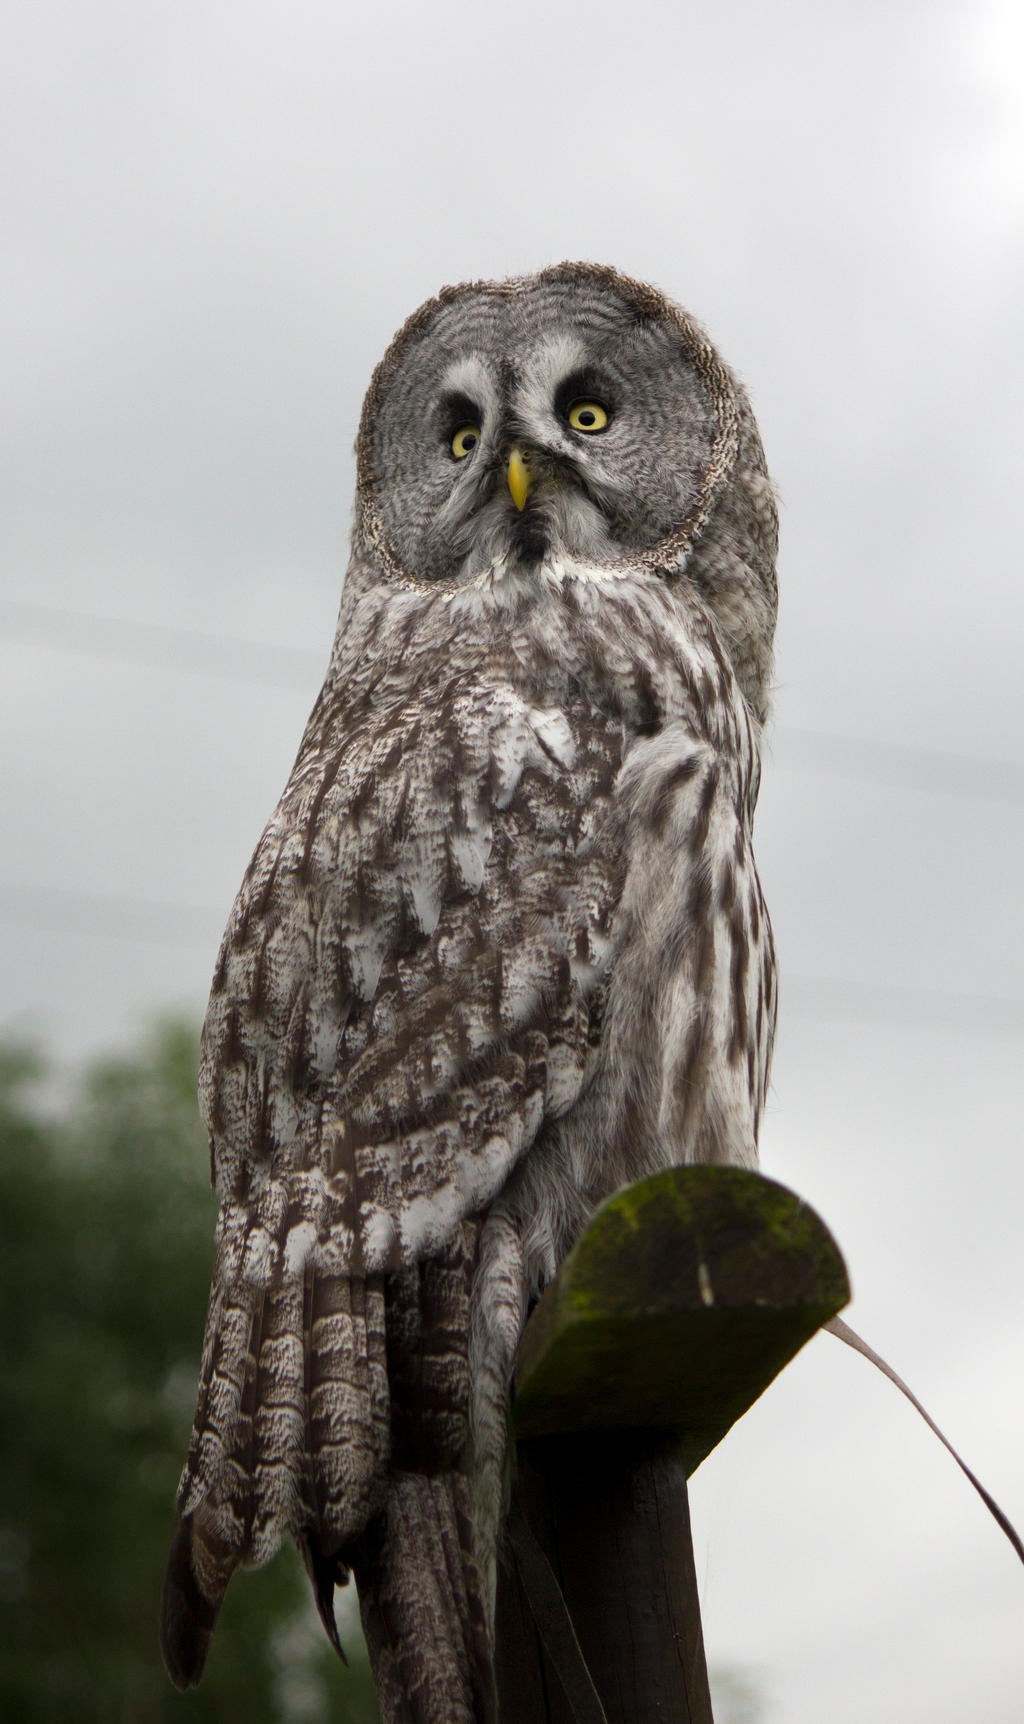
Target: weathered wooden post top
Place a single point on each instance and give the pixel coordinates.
(687, 1294)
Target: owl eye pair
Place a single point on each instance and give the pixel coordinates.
(586, 416)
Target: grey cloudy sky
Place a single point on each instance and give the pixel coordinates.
(214, 217)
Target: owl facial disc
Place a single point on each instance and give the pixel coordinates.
(561, 426)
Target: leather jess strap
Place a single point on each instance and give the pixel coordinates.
(547, 1603)
(552, 1620)
(843, 1332)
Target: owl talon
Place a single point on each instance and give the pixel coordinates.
(325, 1573)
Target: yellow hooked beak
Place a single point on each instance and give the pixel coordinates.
(519, 480)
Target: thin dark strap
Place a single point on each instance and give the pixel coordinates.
(554, 1624)
(844, 1333)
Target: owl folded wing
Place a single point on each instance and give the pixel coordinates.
(404, 991)
(403, 996)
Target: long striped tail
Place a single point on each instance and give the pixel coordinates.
(422, 1601)
(336, 1410)
(291, 1438)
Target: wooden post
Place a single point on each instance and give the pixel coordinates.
(610, 1511)
(687, 1294)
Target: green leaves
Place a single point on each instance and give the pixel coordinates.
(106, 1245)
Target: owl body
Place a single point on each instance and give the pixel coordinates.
(501, 948)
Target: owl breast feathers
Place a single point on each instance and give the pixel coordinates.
(501, 947)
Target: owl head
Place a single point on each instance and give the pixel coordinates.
(565, 422)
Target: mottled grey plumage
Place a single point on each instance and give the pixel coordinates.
(501, 947)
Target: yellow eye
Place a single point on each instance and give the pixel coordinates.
(588, 416)
(465, 441)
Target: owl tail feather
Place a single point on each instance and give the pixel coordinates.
(290, 1438)
(421, 1596)
(187, 1616)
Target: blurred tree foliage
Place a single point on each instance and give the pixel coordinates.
(106, 1245)
(106, 1228)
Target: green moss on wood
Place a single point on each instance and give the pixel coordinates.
(688, 1293)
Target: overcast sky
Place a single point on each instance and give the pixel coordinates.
(214, 217)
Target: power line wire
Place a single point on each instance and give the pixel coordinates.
(118, 916)
(896, 763)
(824, 997)
(289, 667)
(163, 646)
(110, 915)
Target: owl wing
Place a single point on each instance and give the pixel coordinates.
(403, 997)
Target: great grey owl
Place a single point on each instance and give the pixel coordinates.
(501, 948)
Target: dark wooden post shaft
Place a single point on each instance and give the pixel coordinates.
(687, 1294)
(610, 1512)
